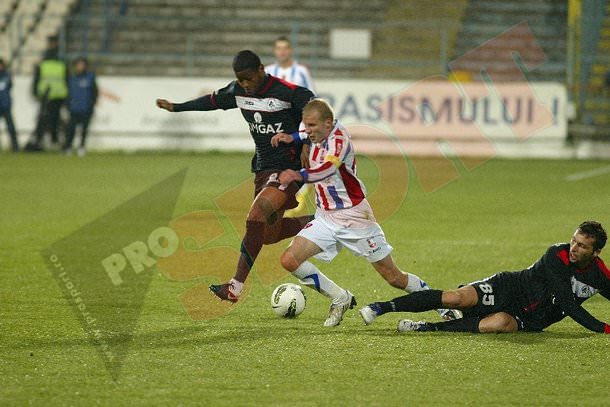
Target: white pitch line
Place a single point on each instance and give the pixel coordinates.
(588, 174)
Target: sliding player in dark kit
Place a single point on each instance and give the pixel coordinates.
(270, 106)
(530, 300)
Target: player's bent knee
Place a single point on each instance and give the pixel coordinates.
(256, 214)
(265, 209)
(289, 262)
(498, 323)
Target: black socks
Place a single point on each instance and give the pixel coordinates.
(468, 324)
(415, 302)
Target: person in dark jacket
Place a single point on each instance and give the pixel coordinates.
(6, 83)
(82, 96)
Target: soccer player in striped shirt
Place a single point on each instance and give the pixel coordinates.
(344, 217)
(286, 68)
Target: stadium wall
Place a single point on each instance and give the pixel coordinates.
(429, 117)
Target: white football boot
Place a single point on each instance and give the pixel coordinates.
(369, 313)
(338, 309)
(406, 325)
(449, 314)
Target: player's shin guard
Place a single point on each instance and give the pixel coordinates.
(416, 302)
(468, 324)
(250, 248)
(312, 277)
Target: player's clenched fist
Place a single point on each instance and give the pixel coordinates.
(165, 104)
(281, 138)
(287, 176)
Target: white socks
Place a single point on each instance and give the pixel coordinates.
(238, 286)
(415, 284)
(312, 277)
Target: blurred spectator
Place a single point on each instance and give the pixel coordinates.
(82, 97)
(6, 84)
(286, 68)
(50, 87)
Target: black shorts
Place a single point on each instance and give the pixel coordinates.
(497, 293)
(270, 178)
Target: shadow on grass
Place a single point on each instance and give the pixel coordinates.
(217, 333)
(523, 338)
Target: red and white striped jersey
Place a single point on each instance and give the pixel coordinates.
(332, 168)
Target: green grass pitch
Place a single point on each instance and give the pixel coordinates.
(448, 229)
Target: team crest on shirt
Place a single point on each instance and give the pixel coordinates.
(582, 290)
(258, 117)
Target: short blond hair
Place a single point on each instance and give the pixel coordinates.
(321, 106)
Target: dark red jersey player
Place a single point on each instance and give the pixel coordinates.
(270, 106)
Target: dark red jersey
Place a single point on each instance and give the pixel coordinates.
(276, 108)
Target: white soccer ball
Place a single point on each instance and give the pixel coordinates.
(288, 300)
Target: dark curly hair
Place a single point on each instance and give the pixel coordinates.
(246, 60)
(595, 229)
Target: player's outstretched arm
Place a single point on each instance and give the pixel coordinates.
(165, 104)
(222, 99)
(564, 297)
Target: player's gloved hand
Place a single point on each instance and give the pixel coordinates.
(165, 104)
(281, 138)
(287, 176)
(305, 155)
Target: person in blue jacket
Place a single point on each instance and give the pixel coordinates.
(82, 96)
(6, 84)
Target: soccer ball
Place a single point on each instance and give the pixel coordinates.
(288, 300)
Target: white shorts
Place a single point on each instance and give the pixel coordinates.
(368, 242)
